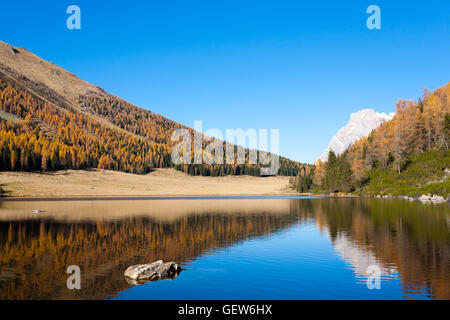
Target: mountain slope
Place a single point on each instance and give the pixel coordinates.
(19, 62)
(54, 84)
(50, 119)
(360, 125)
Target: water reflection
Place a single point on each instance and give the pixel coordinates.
(361, 259)
(104, 238)
(402, 237)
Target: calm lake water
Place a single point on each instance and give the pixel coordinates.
(246, 248)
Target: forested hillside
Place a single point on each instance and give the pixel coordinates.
(407, 155)
(52, 120)
(50, 138)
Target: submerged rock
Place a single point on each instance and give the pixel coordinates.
(153, 271)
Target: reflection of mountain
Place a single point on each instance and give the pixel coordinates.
(159, 210)
(359, 258)
(34, 253)
(408, 238)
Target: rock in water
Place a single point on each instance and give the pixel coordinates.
(153, 271)
(432, 199)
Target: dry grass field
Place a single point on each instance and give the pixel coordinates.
(161, 182)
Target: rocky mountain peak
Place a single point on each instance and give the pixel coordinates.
(361, 123)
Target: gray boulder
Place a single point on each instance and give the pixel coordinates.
(153, 271)
(438, 199)
(432, 199)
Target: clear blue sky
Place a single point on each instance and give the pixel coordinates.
(299, 66)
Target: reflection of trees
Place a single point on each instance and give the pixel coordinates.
(35, 254)
(413, 237)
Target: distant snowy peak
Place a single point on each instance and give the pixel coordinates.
(360, 125)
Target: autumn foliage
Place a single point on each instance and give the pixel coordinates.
(105, 132)
(417, 126)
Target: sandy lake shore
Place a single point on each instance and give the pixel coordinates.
(161, 182)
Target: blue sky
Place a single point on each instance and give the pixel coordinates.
(298, 66)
